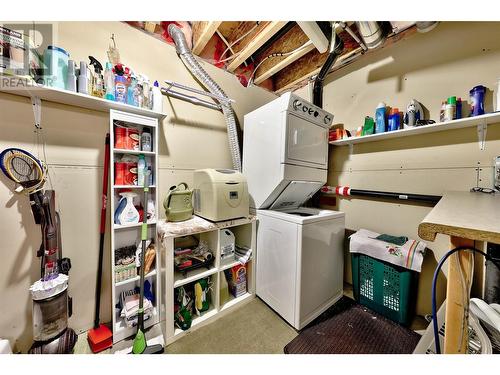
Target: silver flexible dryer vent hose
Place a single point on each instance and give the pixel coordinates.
(197, 70)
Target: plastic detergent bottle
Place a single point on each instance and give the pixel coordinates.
(380, 125)
(477, 100)
(458, 109)
(109, 81)
(394, 120)
(146, 140)
(141, 170)
(126, 213)
(120, 89)
(450, 108)
(157, 98)
(131, 97)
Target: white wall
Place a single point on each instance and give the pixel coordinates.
(447, 61)
(191, 137)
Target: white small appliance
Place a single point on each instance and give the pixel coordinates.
(220, 194)
(299, 250)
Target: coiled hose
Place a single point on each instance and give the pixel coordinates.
(197, 70)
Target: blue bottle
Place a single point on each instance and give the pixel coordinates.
(380, 125)
(394, 120)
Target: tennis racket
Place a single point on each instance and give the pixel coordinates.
(23, 168)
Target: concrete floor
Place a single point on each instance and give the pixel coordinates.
(250, 329)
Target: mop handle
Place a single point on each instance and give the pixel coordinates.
(144, 237)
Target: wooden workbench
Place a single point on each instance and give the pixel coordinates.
(470, 219)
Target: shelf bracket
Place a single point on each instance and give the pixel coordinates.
(481, 135)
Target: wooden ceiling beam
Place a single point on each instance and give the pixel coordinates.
(308, 66)
(203, 31)
(255, 43)
(290, 41)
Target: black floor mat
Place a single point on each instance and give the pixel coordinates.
(350, 328)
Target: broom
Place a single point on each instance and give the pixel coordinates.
(100, 337)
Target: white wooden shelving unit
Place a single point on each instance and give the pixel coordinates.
(245, 234)
(480, 121)
(126, 235)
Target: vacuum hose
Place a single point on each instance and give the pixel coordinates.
(336, 48)
(197, 70)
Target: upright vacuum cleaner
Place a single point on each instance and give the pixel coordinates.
(100, 337)
(140, 345)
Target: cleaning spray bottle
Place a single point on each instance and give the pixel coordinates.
(97, 78)
(109, 80)
(126, 213)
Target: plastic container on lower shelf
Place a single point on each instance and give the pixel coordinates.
(385, 288)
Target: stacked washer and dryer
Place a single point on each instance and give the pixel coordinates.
(299, 249)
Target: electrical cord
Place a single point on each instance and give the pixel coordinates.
(276, 54)
(434, 282)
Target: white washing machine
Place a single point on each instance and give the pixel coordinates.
(299, 250)
(300, 261)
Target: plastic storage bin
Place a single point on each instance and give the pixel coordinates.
(385, 288)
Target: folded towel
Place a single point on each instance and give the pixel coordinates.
(242, 254)
(410, 255)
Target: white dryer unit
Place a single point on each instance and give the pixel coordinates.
(300, 262)
(299, 250)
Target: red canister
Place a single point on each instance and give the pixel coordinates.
(125, 173)
(127, 138)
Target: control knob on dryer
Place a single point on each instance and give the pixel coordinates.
(296, 104)
(327, 119)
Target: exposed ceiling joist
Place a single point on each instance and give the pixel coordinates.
(301, 76)
(283, 63)
(258, 41)
(202, 33)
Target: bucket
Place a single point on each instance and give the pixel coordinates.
(127, 138)
(125, 173)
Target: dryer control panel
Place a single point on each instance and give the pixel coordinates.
(309, 111)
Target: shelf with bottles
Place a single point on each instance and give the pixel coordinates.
(27, 87)
(194, 257)
(194, 303)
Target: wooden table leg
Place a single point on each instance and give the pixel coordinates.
(455, 342)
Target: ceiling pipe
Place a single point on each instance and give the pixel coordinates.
(336, 48)
(371, 33)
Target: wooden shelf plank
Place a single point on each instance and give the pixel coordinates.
(20, 86)
(475, 216)
(489, 118)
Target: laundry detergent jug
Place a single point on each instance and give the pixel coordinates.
(178, 203)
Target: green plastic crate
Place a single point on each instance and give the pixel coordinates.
(385, 288)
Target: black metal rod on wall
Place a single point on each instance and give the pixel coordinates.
(347, 191)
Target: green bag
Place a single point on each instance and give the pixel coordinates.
(178, 204)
